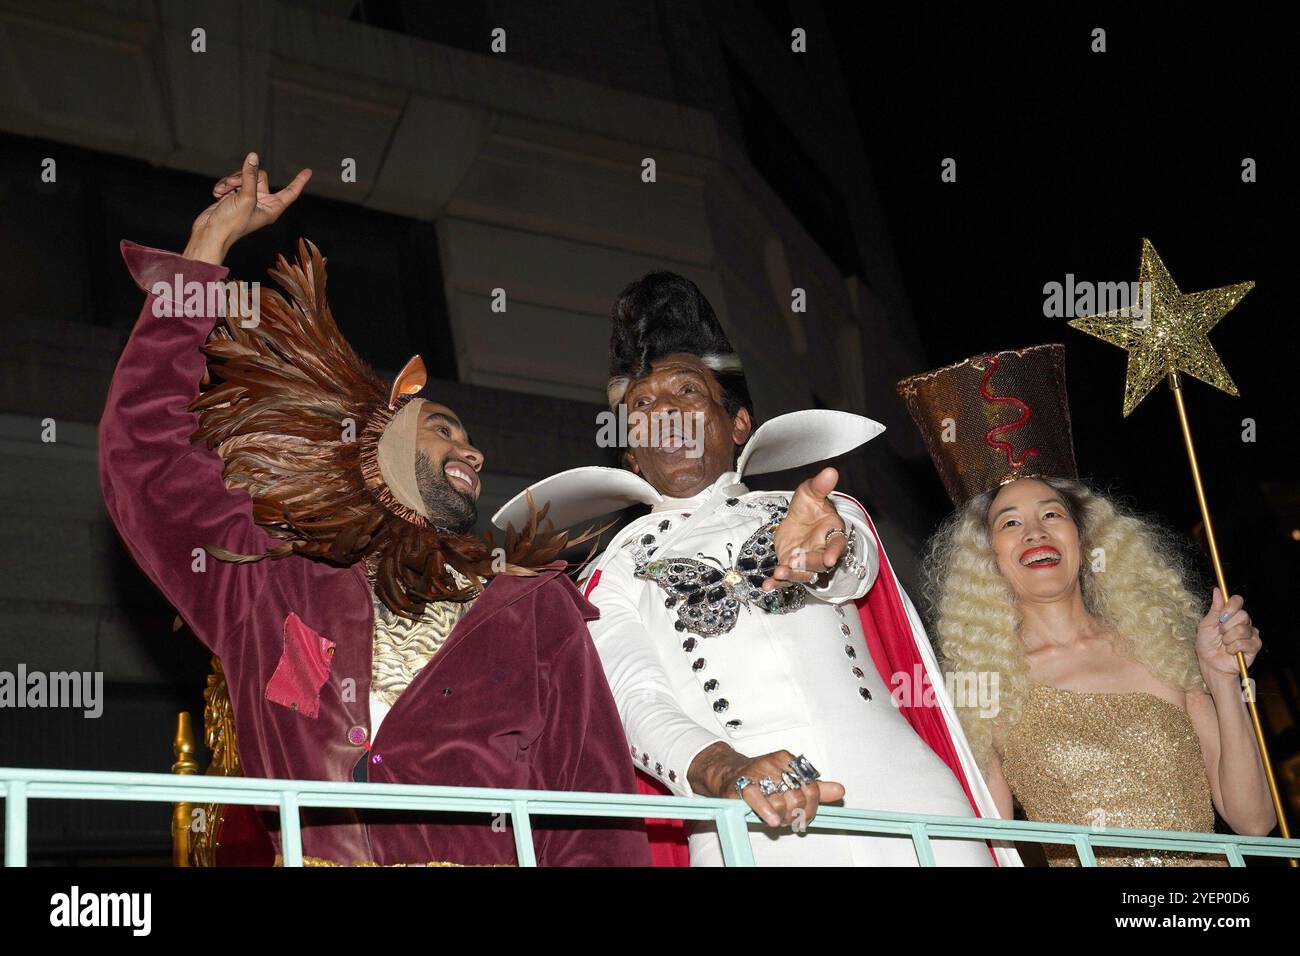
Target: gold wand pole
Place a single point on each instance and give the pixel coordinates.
(1176, 386)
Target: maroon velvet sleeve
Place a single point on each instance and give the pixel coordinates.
(582, 746)
(164, 494)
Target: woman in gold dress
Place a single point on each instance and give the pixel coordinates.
(1119, 703)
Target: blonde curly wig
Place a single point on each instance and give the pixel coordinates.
(1142, 594)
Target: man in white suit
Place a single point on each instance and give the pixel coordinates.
(732, 622)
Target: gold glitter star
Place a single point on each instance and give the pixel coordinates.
(1167, 333)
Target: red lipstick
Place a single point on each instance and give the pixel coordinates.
(1043, 556)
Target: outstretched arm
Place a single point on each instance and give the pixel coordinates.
(164, 494)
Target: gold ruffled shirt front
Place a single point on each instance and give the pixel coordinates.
(402, 647)
(1110, 760)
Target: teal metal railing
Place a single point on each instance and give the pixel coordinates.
(19, 786)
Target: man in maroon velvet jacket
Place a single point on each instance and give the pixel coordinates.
(299, 599)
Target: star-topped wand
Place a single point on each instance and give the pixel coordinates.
(1165, 337)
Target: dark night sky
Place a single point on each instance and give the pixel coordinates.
(1066, 159)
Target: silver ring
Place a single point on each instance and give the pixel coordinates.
(840, 531)
(791, 779)
(807, 772)
(742, 783)
(768, 786)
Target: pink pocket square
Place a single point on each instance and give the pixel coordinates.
(303, 669)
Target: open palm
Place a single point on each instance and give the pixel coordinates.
(801, 546)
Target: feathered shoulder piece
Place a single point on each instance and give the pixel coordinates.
(292, 409)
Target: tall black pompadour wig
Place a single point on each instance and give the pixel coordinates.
(662, 313)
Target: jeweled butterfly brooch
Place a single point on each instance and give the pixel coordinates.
(708, 599)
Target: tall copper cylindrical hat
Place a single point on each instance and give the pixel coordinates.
(993, 418)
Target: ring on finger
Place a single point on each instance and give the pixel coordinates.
(804, 768)
(742, 783)
(791, 779)
(768, 786)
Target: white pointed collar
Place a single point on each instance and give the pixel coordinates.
(731, 479)
(787, 441)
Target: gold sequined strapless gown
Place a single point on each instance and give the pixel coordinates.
(1115, 760)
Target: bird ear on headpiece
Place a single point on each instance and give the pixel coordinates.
(410, 379)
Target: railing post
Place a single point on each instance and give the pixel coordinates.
(1083, 846)
(1234, 855)
(16, 823)
(921, 841)
(734, 835)
(523, 828)
(290, 829)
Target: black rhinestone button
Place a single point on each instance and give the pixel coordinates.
(663, 525)
(672, 775)
(848, 649)
(857, 672)
(711, 685)
(866, 694)
(645, 760)
(720, 705)
(680, 625)
(845, 629)
(698, 664)
(659, 768)
(732, 502)
(733, 724)
(688, 645)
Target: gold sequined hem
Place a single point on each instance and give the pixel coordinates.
(1149, 862)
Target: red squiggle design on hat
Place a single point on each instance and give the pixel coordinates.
(990, 436)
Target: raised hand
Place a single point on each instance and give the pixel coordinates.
(244, 204)
(1225, 630)
(802, 550)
